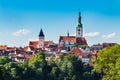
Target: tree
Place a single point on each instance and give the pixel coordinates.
(1, 73)
(107, 64)
(12, 71)
(84, 46)
(4, 60)
(70, 67)
(39, 65)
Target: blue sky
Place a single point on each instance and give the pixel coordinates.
(21, 20)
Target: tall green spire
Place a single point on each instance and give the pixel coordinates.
(79, 19)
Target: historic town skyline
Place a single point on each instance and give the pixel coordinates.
(21, 21)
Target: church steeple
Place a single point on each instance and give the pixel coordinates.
(79, 28)
(41, 34)
(79, 19)
(41, 39)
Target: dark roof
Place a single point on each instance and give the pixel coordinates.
(41, 34)
(81, 41)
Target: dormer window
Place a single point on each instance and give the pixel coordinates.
(66, 42)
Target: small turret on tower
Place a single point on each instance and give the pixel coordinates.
(68, 34)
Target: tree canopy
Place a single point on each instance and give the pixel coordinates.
(66, 67)
(107, 64)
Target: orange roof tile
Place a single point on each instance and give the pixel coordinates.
(81, 41)
(69, 38)
(78, 51)
(3, 46)
(46, 43)
(27, 56)
(33, 44)
(26, 48)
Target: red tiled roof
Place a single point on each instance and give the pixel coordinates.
(10, 48)
(46, 43)
(78, 52)
(33, 44)
(60, 47)
(69, 38)
(26, 48)
(81, 41)
(108, 44)
(27, 56)
(3, 46)
(93, 53)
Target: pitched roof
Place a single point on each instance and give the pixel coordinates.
(3, 46)
(10, 48)
(69, 38)
(41, 34)
(47, 43)
(81, 41)
(108, 44)
(78, 51)
(33, 44)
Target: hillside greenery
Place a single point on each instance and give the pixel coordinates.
(66, 67)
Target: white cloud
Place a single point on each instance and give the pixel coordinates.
(91, 34)
(20, 32)
(109, 36)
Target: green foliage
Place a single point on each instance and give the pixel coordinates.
(107, 64)
(4, 60)
(1, 73)
(39, 66)
(13, 71)
(70, 67)
(75, 45)
(84, 46)
(66, 67)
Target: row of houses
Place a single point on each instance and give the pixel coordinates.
(20, 54)
(76, 45)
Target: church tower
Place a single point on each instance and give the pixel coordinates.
(41, 39)
(79, 28)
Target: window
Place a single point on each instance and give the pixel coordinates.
(78, 29)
